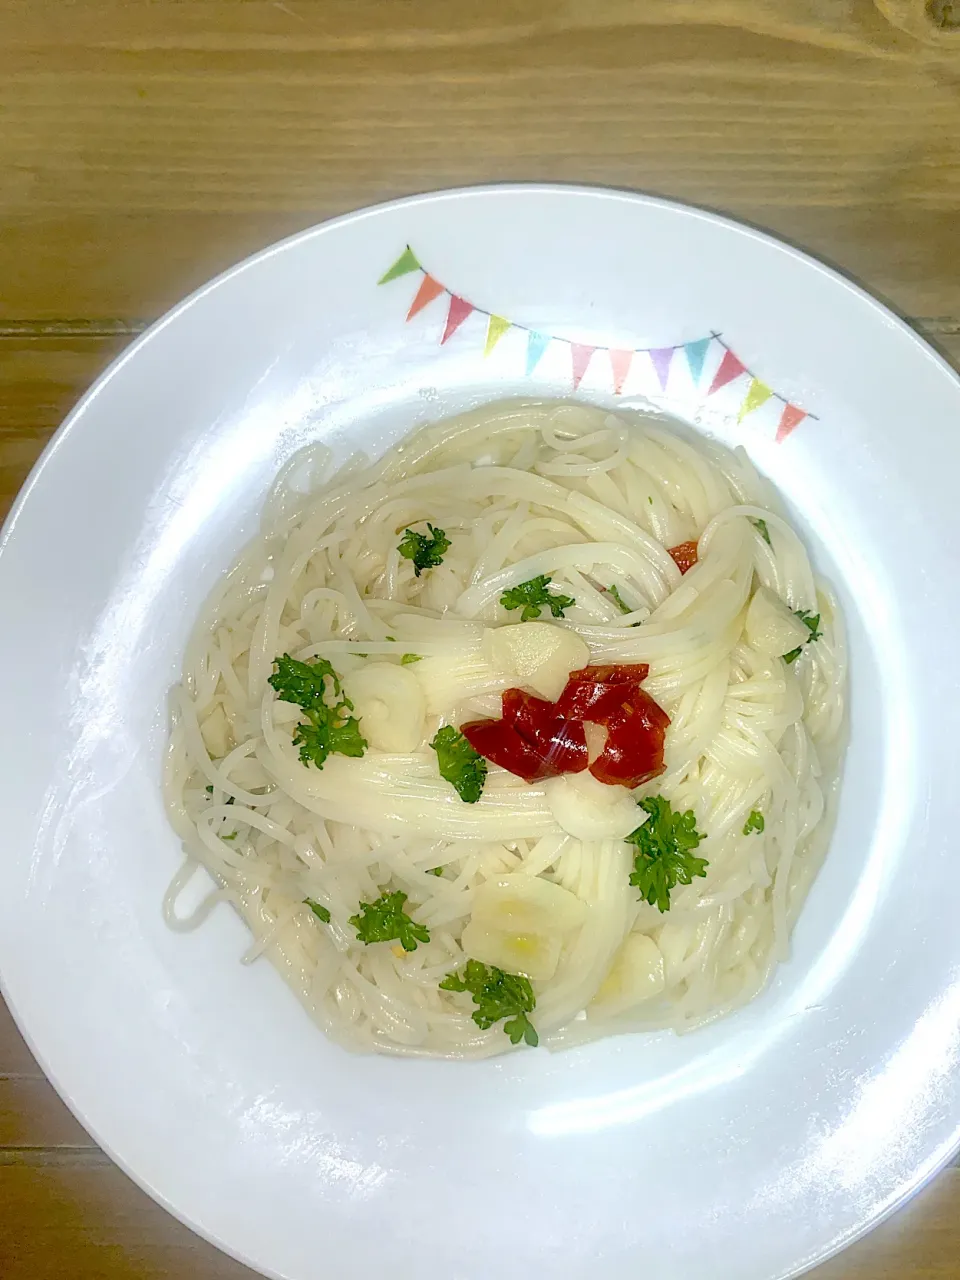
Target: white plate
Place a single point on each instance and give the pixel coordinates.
(745, 1151)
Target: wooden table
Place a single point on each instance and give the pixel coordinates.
(145, 145)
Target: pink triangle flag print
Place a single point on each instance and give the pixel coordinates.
(789, 420)
(730, 367)
(459, 310)
(581, 356)
(620, 362)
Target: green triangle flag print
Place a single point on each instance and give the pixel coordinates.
(406, 263)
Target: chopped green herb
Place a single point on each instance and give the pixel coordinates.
(209, 791)
(497, 995)
(532, 596)
(231, 836)
(435, 871)
(761, 527)
(754, 823)
(621, 603)
(426, 550)
(650, 499)
(318, 909)
(315, 688)
(410, 657)
(459, 764)
(812, 620)
(386, 921)
(664, 859)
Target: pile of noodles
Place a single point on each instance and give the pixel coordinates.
(593, 500)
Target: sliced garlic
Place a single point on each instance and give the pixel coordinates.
(519, 923)
(771, 627)
(674, 942)
(536, 654)
(637, 974)
(215, 730)
(596, 735)
(532, 955)
(390, 705)
(523, 903)
(591, 810)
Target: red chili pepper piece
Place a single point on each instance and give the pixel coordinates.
(684, 555)
(598, 693)
(613, 673)
(537, 739)
(633, 751)
(499, 742)
(561, 743)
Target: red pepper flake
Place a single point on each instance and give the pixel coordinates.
(684, 555)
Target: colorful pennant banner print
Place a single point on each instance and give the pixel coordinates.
(730, 369)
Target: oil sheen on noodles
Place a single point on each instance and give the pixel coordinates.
(593, 500)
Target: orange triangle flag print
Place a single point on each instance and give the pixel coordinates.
(429, 289)
(459, 310)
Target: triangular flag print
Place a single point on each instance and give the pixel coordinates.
(730, 368)
(459, 310)
(696, 353)
(620, 362)
(581, 357)
(789, 419)
(537, 344)
(660, 359)
(758, 394)
(406, 263)
(429, 289)
(496, 328)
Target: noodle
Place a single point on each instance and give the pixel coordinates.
(593, 501)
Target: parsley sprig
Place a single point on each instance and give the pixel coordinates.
(497, 995)
(426, 550)
(460, 764)
(315, 688)
(386, 921)
(533, 596)
(664, 858)
(812, 621)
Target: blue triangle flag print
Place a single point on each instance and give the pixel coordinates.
(537, 344)
(696, 353)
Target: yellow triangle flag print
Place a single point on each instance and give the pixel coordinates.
(759, 393)
(496, 328)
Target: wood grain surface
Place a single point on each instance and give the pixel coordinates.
(147, 144)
